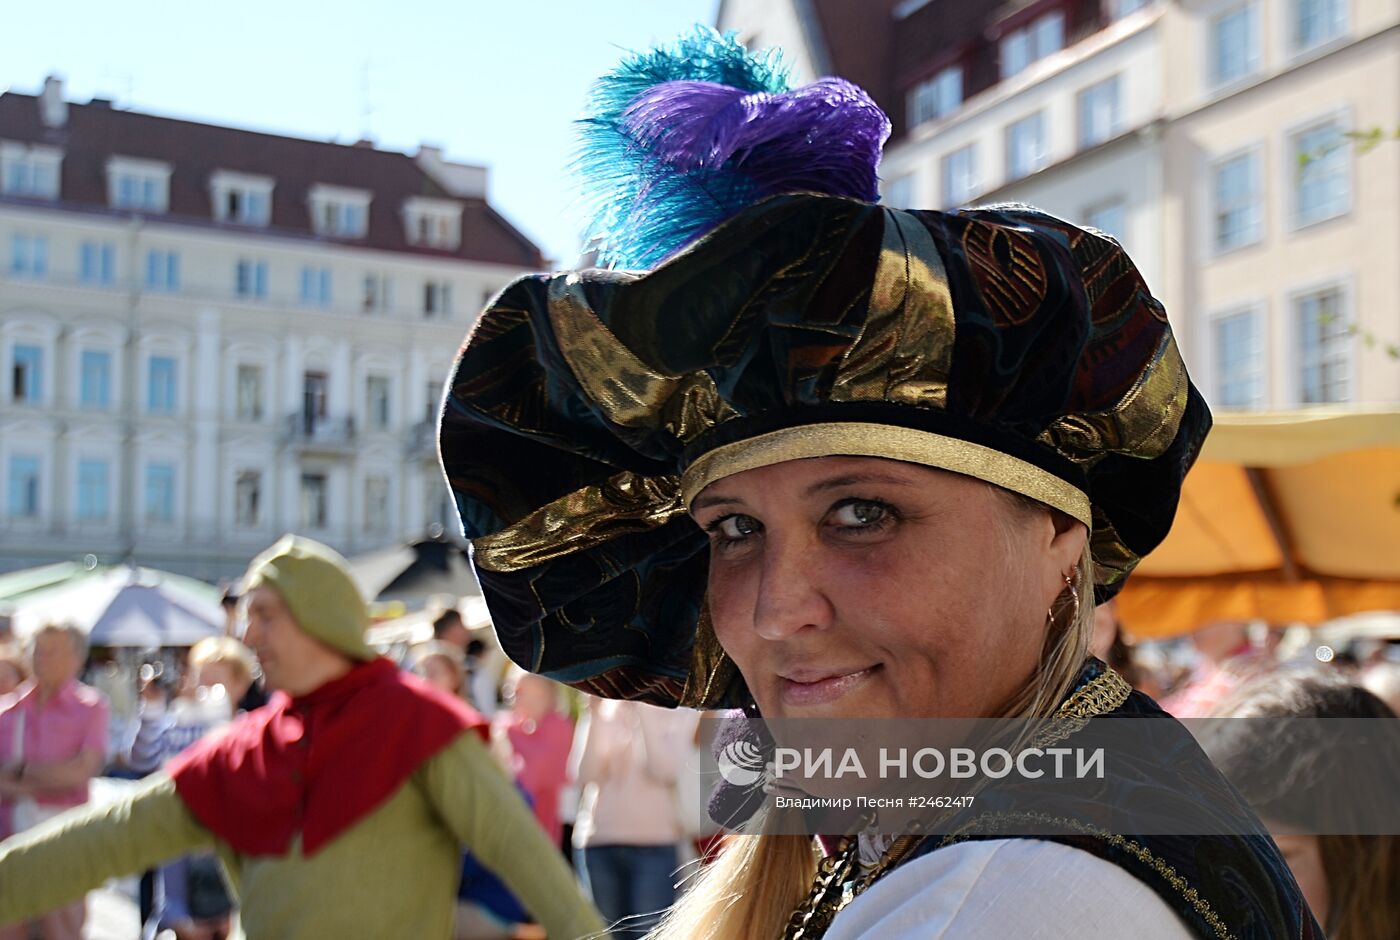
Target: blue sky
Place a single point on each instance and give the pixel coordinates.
(495, 83)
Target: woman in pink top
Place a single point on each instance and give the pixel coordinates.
(540, 739)
(53, 740)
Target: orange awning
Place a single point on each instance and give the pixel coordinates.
(1286, 518)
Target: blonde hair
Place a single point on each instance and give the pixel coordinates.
(751, 890)
(225, 650)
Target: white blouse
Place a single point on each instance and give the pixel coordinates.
(999, 889)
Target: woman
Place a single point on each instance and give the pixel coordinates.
(812, 457)
(1319, 791)
(536, 740)
(626, 842)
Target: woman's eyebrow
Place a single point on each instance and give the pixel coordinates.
(856, 479)
(706, 502)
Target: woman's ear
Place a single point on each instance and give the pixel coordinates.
(1065, 549)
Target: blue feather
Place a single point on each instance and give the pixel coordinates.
(677, 139)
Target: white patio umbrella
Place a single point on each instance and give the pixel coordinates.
(123, 606)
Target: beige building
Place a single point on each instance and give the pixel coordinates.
(1209, 136)
(1282, 235)
(212, 336)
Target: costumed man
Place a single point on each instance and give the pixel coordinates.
(338, 810)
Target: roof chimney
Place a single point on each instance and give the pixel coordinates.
(53, 110)
(459, 179)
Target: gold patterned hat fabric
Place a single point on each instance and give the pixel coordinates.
(587, 409)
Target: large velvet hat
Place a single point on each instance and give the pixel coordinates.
(587, 409)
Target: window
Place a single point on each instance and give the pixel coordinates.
(29, 171)
(376, 504)
(1025, 146)
(377, 401)
(379, 292)
(250, 279)
(313, 501)
(1323, 349)
(437, 298)
(247, 499)
(937, 97)
(95, 381)
(1099, 115)
(1234, 44)
(242, 199)
(434, 400)
(97, 263)
(1322, 174)
(1239, 358)
(316, 286)
(27, 374)
(160, 493)
(1237, 199)
(249, 396)
(22, 488)
(92, 490)
(160, 386)
(146, 192)
(960, 182)
(899, 192)
(432, 223)
(1021, 47)
(29, 255)
(339, 212)
(1110, 217)
(1122, 8)
(314, 394)
(1317, 21)
(162, 270)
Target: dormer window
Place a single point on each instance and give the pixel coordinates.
(241, 198)
(339, 212)
(30, 171)
(432, 223)
(143, 185)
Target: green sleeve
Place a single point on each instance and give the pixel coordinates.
(472, 794)
(71, 854)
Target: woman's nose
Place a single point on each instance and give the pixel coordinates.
(790, 590)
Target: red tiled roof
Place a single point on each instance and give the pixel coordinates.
(887, 56)
(95, 132)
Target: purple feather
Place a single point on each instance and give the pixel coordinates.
(824, 137)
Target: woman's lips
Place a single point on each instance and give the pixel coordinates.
(822, 688)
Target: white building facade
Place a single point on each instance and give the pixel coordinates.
(201, 354)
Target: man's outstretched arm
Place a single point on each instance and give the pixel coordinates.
(70, 855)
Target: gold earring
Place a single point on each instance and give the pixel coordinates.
(1074, 595)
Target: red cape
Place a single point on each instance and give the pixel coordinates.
(319, 763)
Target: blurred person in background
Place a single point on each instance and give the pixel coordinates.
(1225, 658)
(254, 695)
(188, 895)
(537, 741)
(13, 669)
(1302, 776)
(53, 741)
(338, 810)
(1382, 679)
(627, 759)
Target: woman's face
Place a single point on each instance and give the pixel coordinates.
(863, 587)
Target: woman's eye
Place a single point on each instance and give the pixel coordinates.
(735, 527)
(859, 513)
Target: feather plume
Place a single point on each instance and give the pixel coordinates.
(680, 138)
